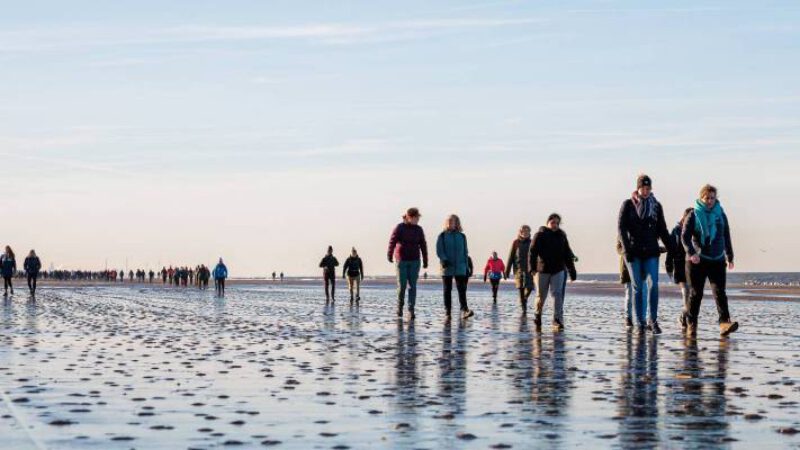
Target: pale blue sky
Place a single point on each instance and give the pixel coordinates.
(262, 131)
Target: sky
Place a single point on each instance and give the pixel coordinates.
(143, 134)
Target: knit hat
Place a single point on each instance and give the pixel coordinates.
(643, 181)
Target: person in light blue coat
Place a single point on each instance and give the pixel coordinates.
(453, 253)
(220, 274)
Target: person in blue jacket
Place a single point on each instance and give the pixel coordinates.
(220, 274)
(8, 266)
(451, 248)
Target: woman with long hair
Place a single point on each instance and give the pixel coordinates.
(8, 265)
(451, 248)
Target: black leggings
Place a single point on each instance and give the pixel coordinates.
(32, 281)
(220, 283)
(461, 287)
(7, 283)
(330, 285)
(495, 286)
(716, 273)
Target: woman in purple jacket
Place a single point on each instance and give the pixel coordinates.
(406, 245)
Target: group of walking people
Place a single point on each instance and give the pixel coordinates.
(698, 249)
(8, 270)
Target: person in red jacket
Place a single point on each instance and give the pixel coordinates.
(495, 271)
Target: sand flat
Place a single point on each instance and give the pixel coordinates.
(271, 366)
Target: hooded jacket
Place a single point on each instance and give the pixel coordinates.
(550, 253)
(329, 264)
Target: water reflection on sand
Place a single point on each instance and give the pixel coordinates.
(121, 367)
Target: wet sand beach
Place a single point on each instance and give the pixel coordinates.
(135, 366)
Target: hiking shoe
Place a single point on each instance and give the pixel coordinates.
(467, 314)
(628, 324)
(726, 328)
(655, 328)
(537, 320)
(558, 326)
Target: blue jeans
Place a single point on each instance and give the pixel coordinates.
(644, 279)
(407, 274)
(628, 305)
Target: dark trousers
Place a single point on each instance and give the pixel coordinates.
(461, 287)
(495, 287)
(7, 284)
(330, 285)
(220, 284)
(716, 274)
(32, 281)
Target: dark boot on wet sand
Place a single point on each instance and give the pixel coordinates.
(558, 326)
(467, 314)
(655, 328)
(628, 324)
(537, 321)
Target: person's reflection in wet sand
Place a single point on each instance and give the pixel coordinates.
(552, 384)
(638, 406)
(407, 379)
(32, 311)
(698, 404)
(453, 370)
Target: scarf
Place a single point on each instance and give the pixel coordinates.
(645, 207)
(706, 221)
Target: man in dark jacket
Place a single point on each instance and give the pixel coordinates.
(551, 258)
(32, 266)
(353, 272)
(406, 244)
(641, 224)
(328, 265)
(706, 237)
(518, 258)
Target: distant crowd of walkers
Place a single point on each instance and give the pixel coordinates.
(698, 249)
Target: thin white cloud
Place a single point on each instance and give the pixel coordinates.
(37, 39)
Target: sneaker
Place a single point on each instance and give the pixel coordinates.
(628, 324)
(467, 314)
(558, 326)
(726, 328)
(655, 328)
(537, 320)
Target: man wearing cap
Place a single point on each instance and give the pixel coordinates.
(641, 224)
(406, 245)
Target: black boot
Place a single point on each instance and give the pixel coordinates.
(537, 321)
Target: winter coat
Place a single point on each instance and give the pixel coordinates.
(451, 248)
(494, 269)
(720, 245)
(407, 243)
(329, 264)
(677, 261)
(640, 236)
(32, 265)
(220, 272)
(550, 253)
(518, 257)
(7, 266)
(353, 267)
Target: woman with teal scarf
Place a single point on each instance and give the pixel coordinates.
(706, 237)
